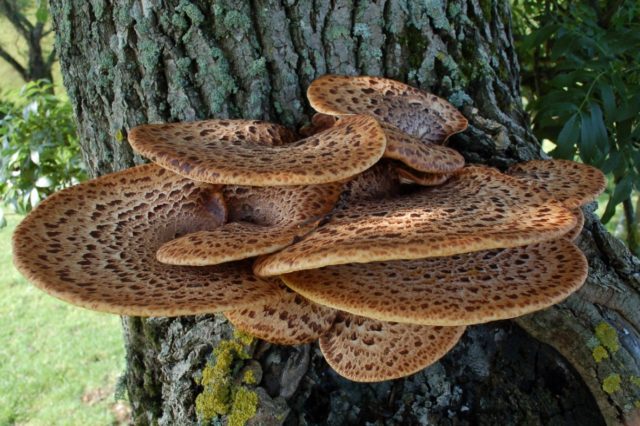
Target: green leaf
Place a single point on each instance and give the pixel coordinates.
(599, 129)
(42, 13)
(609, 102)
(539, 36)
(567, 139)
(621, 192)
(615, 161)
(589, 138)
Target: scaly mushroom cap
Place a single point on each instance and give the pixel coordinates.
(415, 153)
(367, 350)
(573, 234)
(94, 245)
(425, 179)
(291, 320)
(572, 183)
(462, 289)
(236, 153)
(412, 110)
(478, 208)
(419, 155)
(263, 220)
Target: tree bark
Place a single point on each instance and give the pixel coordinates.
(128, 62)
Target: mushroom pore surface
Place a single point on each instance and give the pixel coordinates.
(94, 245)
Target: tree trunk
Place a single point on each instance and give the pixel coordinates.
(128, 62)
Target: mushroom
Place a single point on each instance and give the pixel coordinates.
(412, 110)
(573, 184)
(401, 146)
(463, 289)
(262, 220)
(94, 245)
(289, 320)
(379, 182)
(319, 123)
(420, 156)
(479, 247)
(367, 350)
(237, 152)
(421, 178)
(479, 208)
(573, 234)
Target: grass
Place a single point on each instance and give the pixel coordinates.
(58, 364)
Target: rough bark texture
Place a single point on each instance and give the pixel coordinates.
(128, 62)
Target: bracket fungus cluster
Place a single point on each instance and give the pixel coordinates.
(366, 232)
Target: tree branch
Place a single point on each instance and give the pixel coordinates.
(15, 64)
(17, 19)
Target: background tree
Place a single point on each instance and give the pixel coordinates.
(127, 62)
(39, 63)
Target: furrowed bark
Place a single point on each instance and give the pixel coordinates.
(128, 62)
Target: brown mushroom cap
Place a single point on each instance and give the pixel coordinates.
(94, 245)
(367, 350)
(263, 220)
(573, 234)
(289, 320)
(572, 183)
(425, 179)
(237, 153)
(478, 208)
(462, 289)
(414, 111)
(415, 153)
(419, 155)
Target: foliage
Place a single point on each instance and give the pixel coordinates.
(39, 153)
(581, 75)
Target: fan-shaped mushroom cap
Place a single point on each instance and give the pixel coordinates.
(462, 289)
(572, 183)
(229, 152)
(94, 245)
(425, 179)
(290, 320)
(419, 155)
(367, 350)
(414, 111)
(478, 208)
(573, 234)
(263, 220)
